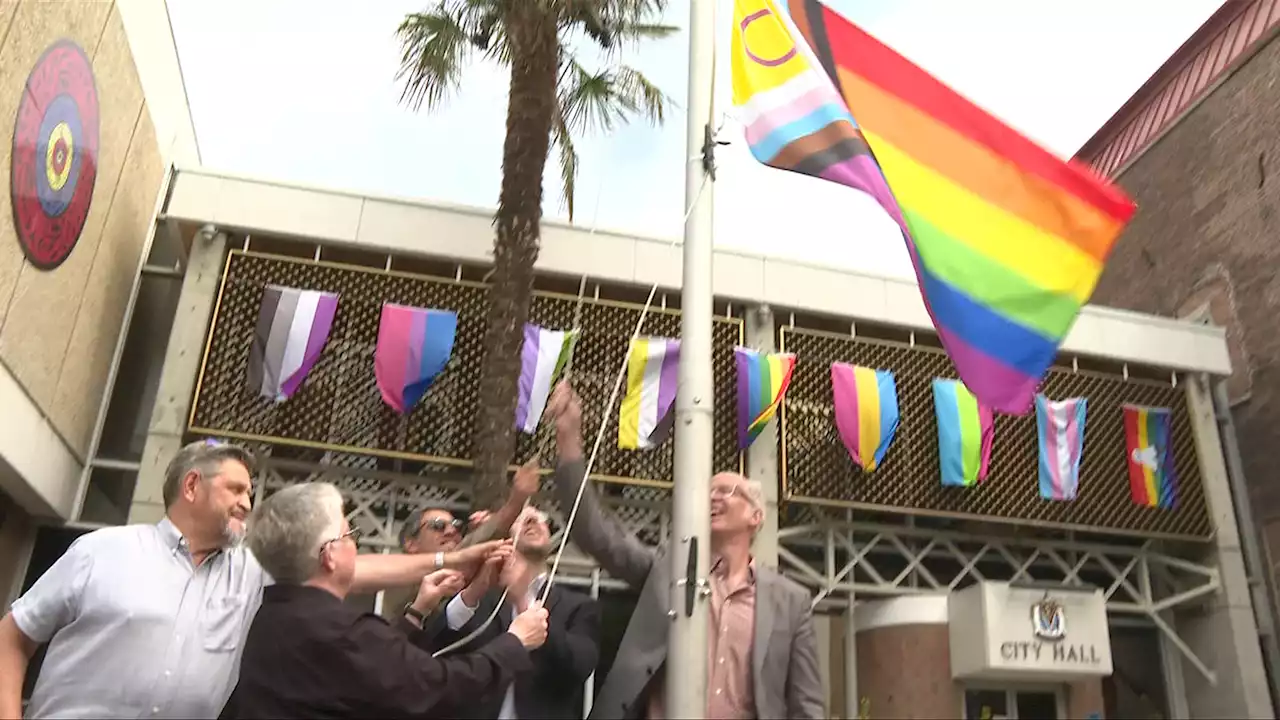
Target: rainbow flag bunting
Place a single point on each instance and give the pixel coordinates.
(965, 431)
(762, 381)
(414, 345)
(646, 416)
(1152, 479)
(866, 408)
(293, 327)
(1060, 427)
(542, 358)
(1007, 240)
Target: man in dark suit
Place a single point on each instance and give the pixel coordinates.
(764, 654)
(552, 687)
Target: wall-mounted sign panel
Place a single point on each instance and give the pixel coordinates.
(1003, 631)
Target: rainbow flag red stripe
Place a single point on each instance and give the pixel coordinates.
(1007, 240)
(1149, 450)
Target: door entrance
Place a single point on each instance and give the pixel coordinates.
(1012, 704)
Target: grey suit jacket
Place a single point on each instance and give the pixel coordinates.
(784, 654)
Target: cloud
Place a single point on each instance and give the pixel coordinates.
(305, 92)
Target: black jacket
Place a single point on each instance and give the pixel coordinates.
(309, 655)
(552, 686)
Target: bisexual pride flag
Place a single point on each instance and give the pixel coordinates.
(543, 357)
(293, 327)
(965, 431)
(414, 344)
(647, 412)
(762, 381)
(866, 407)
(1060, 427)
(1149, 446)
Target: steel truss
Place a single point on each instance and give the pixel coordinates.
(824, 550)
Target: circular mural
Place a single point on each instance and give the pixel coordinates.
(55, 155)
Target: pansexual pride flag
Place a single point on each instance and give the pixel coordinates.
(414, 344)
(1007, 240)
(1148, 445)
(646, 415)
(542, 358)
(1060, 433)
(866, 407)
(293, 327)
(762, 381)
(965, 431)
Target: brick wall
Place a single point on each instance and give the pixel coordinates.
(1207, 238)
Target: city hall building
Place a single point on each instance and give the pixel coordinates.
(126, 339)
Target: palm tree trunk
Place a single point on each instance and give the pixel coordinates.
(530, 105)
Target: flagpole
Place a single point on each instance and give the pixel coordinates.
(686, 681)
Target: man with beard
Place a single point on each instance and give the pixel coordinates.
(552, 688)
(148, 620)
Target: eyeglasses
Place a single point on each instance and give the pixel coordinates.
(353, 533)
(721, 492)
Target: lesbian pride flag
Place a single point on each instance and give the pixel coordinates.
(293, 327)
(1060, 427)
(646, 415)
(866, 407)
(414, 345)
(542, 358)
(965, 431)
(762, 381)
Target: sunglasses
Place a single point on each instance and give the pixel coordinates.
(439, 524)
(353, 533)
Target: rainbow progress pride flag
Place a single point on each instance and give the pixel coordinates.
(1149, 450)
(865, 402)
(1007, 240)
(762, 381)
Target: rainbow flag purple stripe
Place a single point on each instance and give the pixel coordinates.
(414, 345)
(1060, 433)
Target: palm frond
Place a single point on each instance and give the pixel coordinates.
(594, 102)
(433, 50)
(638, 93)
(563, 141)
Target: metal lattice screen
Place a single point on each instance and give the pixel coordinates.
(818, 469)
(339, 408)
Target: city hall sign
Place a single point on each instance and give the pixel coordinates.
(1003, 631)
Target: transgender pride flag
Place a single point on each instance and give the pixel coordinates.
(414, 344)
(1060, 428)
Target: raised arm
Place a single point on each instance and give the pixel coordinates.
(617, 551)
(380, 572)
(497, 525)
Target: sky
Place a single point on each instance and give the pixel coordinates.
(304, 91)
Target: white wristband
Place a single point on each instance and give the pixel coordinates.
(439, 560)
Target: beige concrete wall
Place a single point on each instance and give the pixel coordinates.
(58, 329)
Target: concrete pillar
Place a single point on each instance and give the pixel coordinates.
(1224, 634)
(904, 659)
(181, 366)
(762, 456)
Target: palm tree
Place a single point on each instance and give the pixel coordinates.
(552, 97)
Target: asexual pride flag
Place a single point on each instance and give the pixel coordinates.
(293, 326)
(414, 344)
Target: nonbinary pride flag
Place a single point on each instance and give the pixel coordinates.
(414, 344)
(762, 382)
(646, 414)
(1007, 241)
(544, 355)
(293, 326)
(866, 408)
(1149, 450)
(965, 431)
(1060, 434)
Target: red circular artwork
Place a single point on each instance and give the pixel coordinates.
(55, 155)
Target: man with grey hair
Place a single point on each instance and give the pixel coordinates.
(308, 654)
(147, 620)
(764, 654)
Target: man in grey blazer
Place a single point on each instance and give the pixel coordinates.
(763, 656)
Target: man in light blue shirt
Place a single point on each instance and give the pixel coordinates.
(148, 621)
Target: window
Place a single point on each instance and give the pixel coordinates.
(1000, 704)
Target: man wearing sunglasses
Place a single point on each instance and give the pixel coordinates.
(148, 620)
(433, 531)
(763, 651)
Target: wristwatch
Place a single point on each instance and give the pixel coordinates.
(415, 613)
